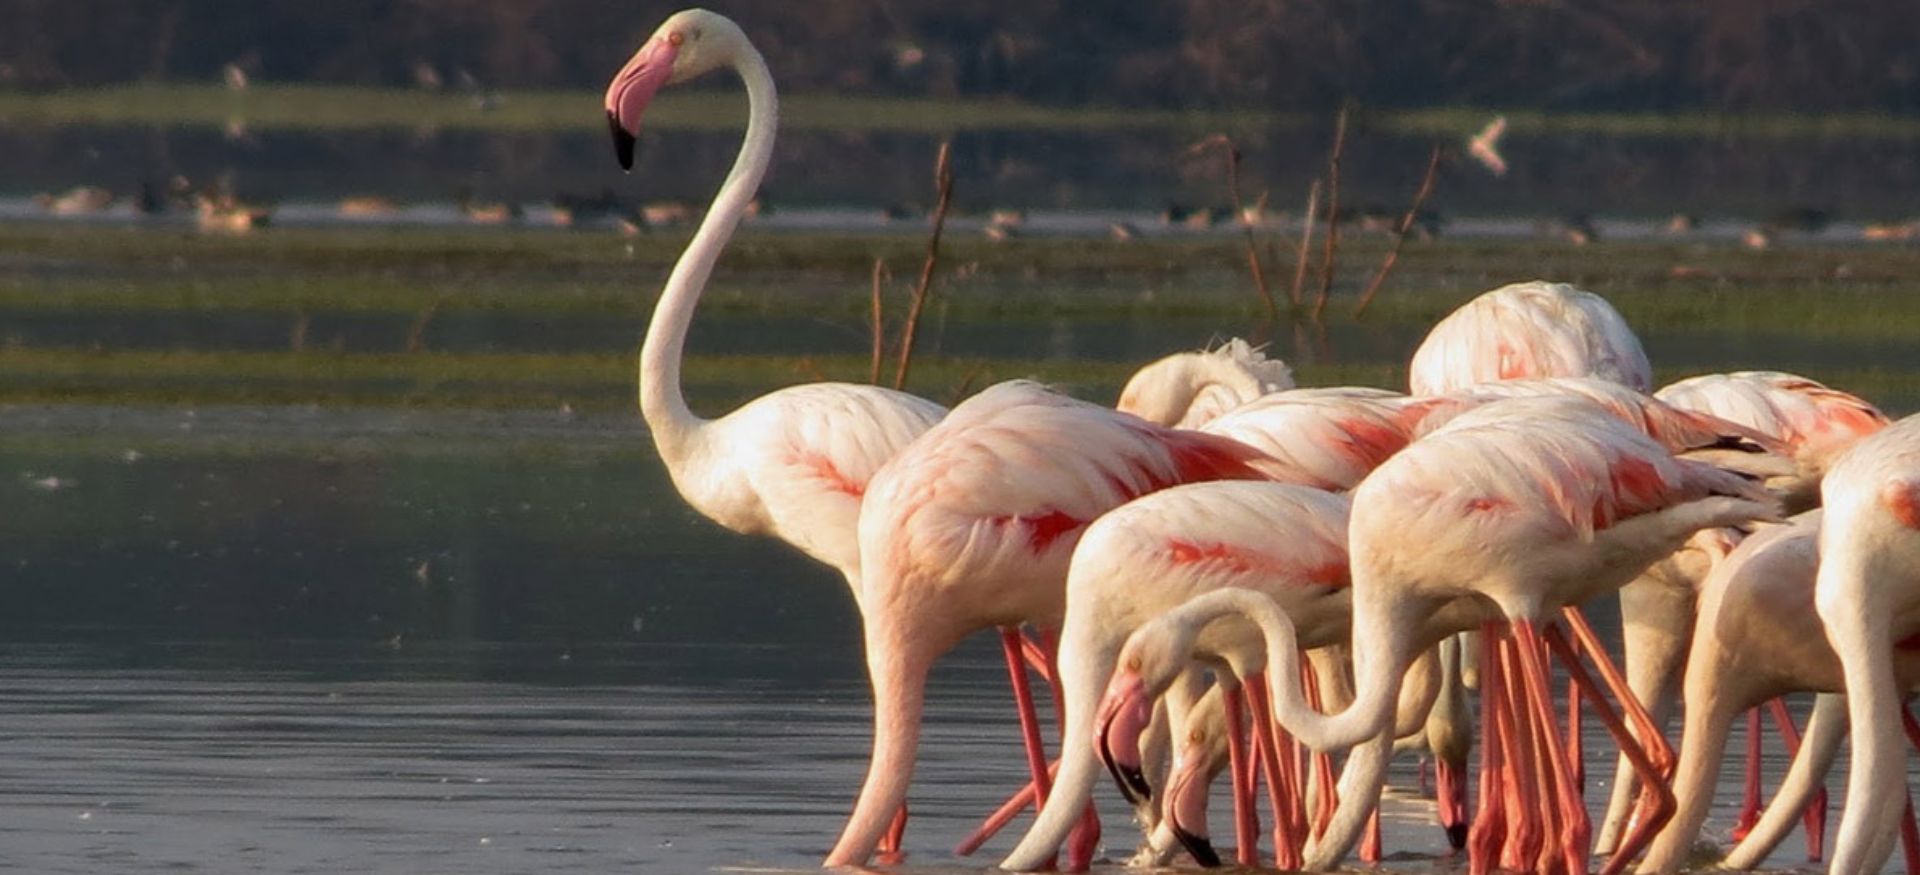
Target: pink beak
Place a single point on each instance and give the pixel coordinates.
(1185, 807)
(632, 89)
(1123, 715)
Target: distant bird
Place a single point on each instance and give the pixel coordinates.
(1000, 233)
(1757, 238)
(427, 77)
(222, 214)
(1123, 231)
(1907, 230)
(1485, 146)
(367, 206)
(1682, 223)
(235, 76)
(1577, 229)
(1008, 218)
(486, 212)
(75, 201)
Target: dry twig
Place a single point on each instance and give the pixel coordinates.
(1327, 260)
(1306, 243)
(943, 184)
(880, 274)
(1400, 233)
(1225, 144)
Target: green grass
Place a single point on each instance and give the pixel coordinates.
(323, 107)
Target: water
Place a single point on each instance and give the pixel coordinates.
(393, 641)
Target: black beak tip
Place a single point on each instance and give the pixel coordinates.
(622, 142)
(1199, 846)
(1457, 835)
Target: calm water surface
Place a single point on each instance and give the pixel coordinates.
(311, 641)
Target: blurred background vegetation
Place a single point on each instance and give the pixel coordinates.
(1636, 55)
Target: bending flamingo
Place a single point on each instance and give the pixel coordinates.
(1757, 637)
(793, 463)
(1154, 553)
(1811, 425)
(1531, 329)
(972, 526)
(1531, 504)
(1868, 596)
(1187, 389)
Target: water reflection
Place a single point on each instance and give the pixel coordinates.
(324, 641)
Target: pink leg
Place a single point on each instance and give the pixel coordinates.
(1488, 833)
(1370, 850)
(1014, 645)
(1246, 825)
(1286, 847)
(1001, 816)
(1750, 797)
(1575, 834)
(1815, 817)
(1576, 745)
(888, 853)
(1657, 803)
(1522, 850)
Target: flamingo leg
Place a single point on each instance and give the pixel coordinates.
(1001, 816)
(1652, 742)
(1750, 795)
(1574, 838)
(1488, 833)
(1286, 846)
(1576, 745)
(1815, 815)
(1522, 848)
(1326, 796)
(1657, 803)
(888, 851)
(1246, 826)
(1014, 643)
(1370, 849)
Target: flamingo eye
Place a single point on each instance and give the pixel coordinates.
(1196, 736)
(676, 38)
(1133, 663)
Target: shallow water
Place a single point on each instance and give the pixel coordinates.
(396, 641)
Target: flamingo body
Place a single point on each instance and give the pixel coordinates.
(1532, 329)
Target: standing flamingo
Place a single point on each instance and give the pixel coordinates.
(972, 526)
(1531, 504)
(1532, 329)
(1187, 389)
(1868, 596)
(793, 463)
(1812, 425)
(1757, 637)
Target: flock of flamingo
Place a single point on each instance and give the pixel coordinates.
(1230, 574)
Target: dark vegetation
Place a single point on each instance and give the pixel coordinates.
(1778, 55)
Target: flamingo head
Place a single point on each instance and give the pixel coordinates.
(687, 44)
(1124, 713)
(1201, 756)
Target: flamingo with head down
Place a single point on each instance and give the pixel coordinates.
(972, 526)
(1524, 506)
(1811, 425)
(1187, 389)
(1531, 329)
(1757, 637)
(1867, 593)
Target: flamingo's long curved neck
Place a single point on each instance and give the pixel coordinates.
(661, 401)
(1379, 659)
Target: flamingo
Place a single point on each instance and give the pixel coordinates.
(1187, 389)
(1529, 504)
(972, 526)
(1531, 329)
(1865, 594)
(1757, 637)
(1150, 555)
(1812, 425)
(793, 463)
